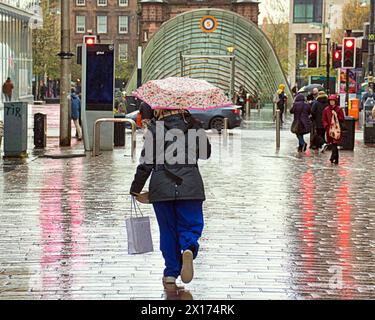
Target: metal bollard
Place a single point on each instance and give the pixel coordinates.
(226, 126)
(278, 129)
(40, 130)
(96, 135)
(225, 138)
(247, 107)
(1, 132)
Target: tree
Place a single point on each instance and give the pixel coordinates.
(276, 27)
(46, 45)
(354, 15)
(124, 69)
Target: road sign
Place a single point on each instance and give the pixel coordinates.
(208, 24)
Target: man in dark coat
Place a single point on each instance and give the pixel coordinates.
(301, 110)
(176, 189)
(318, 132)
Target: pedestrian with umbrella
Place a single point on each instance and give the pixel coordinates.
(176, 188)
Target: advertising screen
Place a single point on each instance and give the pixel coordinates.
(99, 78)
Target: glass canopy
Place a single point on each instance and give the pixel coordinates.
(181, 48)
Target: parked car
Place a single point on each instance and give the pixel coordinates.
(211, 119)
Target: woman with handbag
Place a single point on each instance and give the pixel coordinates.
(333, 117)
(176, 190)
(301, 124)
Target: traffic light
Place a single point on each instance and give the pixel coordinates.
(313, 54)
(349, 53)
(336, 59)
(89, 40)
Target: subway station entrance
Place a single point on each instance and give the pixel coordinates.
(216, 45)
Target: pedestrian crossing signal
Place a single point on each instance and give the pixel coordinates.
(349, 54)
(312, 54)
(336, 59)
(89, 40)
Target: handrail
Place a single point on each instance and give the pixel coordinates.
(96, 136)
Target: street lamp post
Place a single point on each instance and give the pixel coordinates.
(232, 71)
(65, 82)
(370, 39)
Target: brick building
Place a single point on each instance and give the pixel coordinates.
(155, 12)
(114, 21)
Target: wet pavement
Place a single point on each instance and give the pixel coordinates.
(279, 225)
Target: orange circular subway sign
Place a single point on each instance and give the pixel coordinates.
(208, 24)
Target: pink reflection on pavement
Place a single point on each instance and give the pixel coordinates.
(61, 218)
(51, 220)
(344, 235)
(308, 240)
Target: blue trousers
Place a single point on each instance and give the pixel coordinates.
(181, 225)
(301, 140)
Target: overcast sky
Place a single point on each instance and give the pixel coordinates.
(266, 5)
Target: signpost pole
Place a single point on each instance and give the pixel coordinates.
(371, 39)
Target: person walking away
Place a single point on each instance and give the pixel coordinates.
(176, 191)
(369, 94)
(301, 122)
(43, 89)
(75, 113)
(281, 100)
(333, 117)
(318, 131)
(315, 93)
(241, 98)
(294, 91)
(147, 114)
(8, 89)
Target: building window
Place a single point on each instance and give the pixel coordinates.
(80, 2)
(308, 11)
(102, 24)
(123, 24)
(123, 3)
(102, 3)
(80, 24)
(123, 51)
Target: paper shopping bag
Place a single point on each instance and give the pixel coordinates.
(138, 229)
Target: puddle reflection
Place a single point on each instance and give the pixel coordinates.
(61, 218)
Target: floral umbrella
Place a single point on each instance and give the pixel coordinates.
(182, 93)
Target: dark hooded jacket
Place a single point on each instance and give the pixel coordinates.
(169, 182)
(302, 110)
(75, 106)
(317, 109)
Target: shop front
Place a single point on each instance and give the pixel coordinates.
(16, 47)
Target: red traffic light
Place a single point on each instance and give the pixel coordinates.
(313, 46)
(89, 40)
(336, 59)
(313, 54)
(349, 43)
(349, 53)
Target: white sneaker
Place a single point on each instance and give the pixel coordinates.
(169, 283)
(187, 271)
